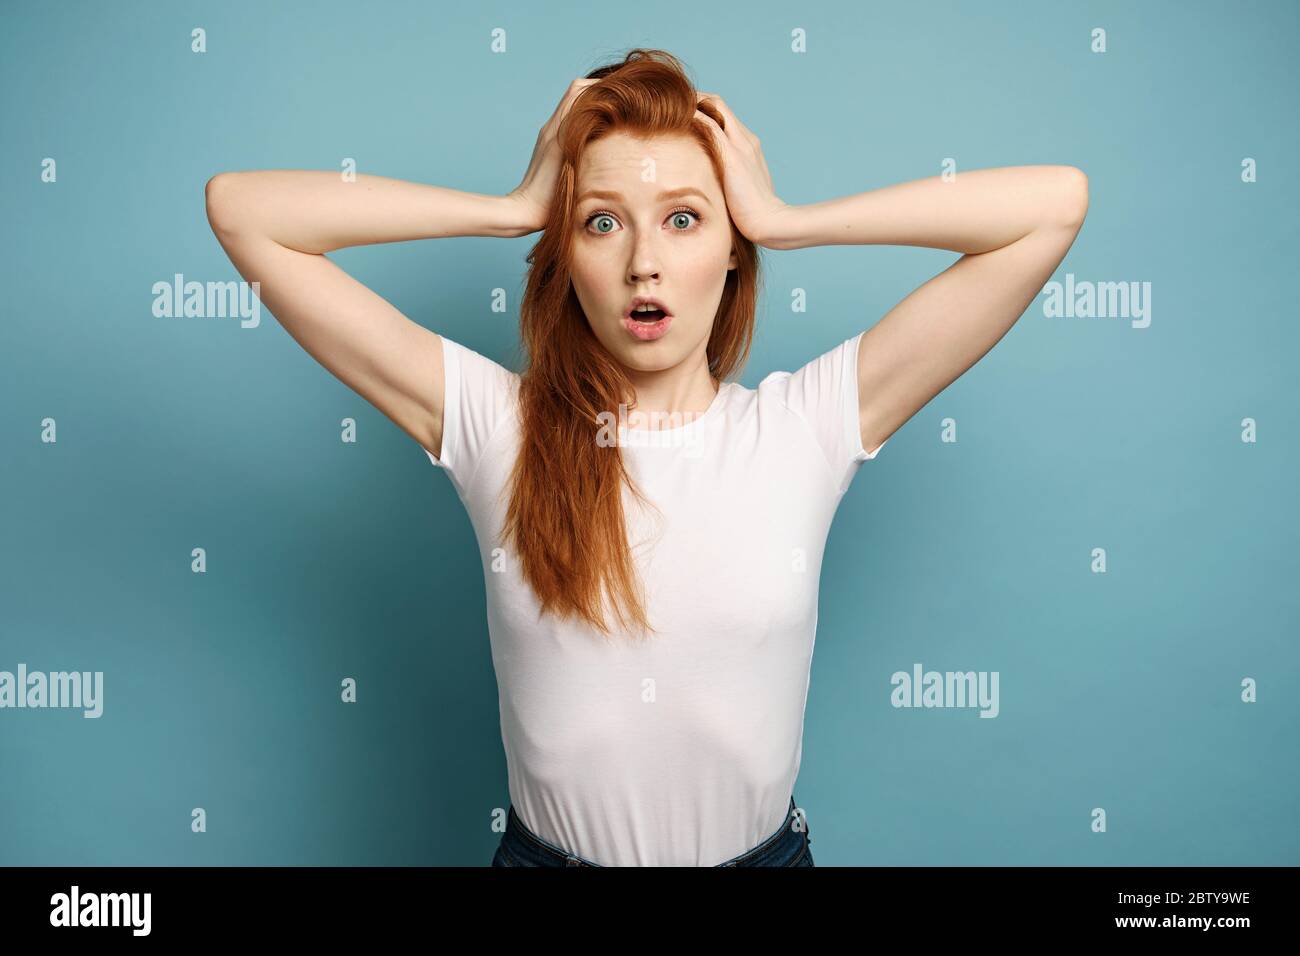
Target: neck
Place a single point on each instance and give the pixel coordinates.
(675, 395)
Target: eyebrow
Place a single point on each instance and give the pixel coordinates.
(666, 194)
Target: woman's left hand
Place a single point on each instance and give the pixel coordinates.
(752, 202)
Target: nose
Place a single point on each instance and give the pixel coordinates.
(645, 261)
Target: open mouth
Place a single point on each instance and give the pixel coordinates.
(648, 325)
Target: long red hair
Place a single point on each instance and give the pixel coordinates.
(565, 518)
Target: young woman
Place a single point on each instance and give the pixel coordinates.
(652, 604)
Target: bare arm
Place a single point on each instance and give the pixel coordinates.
(276, 227)
(1013, 224)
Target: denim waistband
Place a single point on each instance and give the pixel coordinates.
(515, 827)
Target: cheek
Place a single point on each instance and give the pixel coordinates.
(598, 289)
(585, 281)
(703, 269)
(591, 274)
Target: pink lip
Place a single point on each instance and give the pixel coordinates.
(647, 331)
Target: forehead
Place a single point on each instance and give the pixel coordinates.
(639, 166)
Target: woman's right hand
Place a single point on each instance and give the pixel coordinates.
(535, 194)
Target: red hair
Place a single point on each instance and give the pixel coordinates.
(565, 518)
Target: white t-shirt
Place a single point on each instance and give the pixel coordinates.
(681, 748)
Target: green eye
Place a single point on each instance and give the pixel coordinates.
(681, 219)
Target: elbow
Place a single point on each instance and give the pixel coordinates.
(1073, 206)
(220, 203)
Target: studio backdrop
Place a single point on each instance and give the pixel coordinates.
(274, 606)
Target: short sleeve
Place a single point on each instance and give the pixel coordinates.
(479, 397)
(824, 394)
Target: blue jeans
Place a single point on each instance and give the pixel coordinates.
(788, 846)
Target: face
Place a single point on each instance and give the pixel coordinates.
(657, 228)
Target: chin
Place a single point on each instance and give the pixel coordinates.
(647, 356)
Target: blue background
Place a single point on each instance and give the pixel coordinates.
(1118, 690)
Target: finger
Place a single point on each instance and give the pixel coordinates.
(576, 87)
(732, 120)
(726, 129)
(571, 94)
(719, 134)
